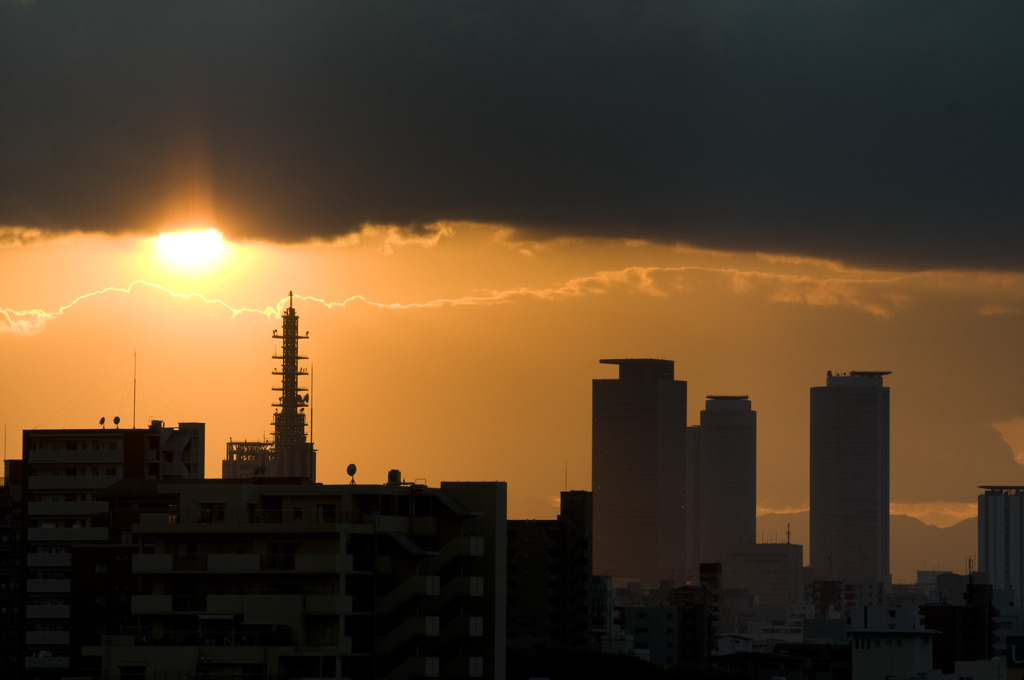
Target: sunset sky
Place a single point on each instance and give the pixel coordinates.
(474, 203)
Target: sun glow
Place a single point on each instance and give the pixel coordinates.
(196, 250)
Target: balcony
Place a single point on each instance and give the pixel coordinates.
(48, 585)
(71, 483)
(323, 564)
(277, 562)
(47, 637)
(151, 604)
(152, 564)
(67, 508)
(68, 534)
(46, 662)
(189, 562)
(328, 604)
(48, 611)
(233, 564)
(48, 559)
(77, 456)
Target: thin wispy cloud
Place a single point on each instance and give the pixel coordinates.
(881, 296)
(31, 321)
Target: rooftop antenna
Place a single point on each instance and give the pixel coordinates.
(135, 375)
(566, 475)
(788, 533)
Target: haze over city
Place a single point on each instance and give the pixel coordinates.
(474, 207)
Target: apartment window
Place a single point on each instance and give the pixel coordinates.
(326, 513)
(211, 512)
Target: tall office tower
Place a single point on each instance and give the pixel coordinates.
(721, 482)
(639, 440)
(850, 478)
(1001, 538)
(289, 454)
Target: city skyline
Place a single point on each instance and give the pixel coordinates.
(471, 224)
(236, 404)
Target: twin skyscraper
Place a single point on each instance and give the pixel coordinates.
(668, 497)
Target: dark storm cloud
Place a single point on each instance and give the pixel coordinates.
(874, 131)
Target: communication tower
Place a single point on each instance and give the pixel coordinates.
(289, 454)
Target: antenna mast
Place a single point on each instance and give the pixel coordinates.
(310, 404)
(135, 376)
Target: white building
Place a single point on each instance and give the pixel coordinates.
(1001, 537)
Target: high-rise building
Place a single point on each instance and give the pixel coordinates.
(850, 478)
(289, 454)
(639, 441)
(721, 481)
(1001, 537)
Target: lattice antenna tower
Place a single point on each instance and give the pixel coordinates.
(290, 445)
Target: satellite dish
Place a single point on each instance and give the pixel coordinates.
(102, 420)
(117, 420)
(351, 470)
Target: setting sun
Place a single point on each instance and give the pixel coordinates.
(192, 250)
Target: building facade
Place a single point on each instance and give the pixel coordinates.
(639, 441)
(849, 473)
(262, 579)
(63, 475)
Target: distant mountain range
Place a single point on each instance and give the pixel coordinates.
(913, 545)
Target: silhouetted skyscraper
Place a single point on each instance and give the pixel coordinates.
(721, 481)
(639, 440)
(850, 478)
